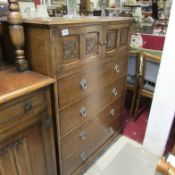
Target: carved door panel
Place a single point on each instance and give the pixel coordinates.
(77, 45)
(31, 152)
(110, 42)
(115, 39)
(123, 38)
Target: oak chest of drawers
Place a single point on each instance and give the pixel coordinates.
(88, 57)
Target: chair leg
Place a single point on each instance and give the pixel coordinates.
(132, 104)
(137, 106)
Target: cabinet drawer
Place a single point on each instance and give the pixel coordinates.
(82, 135)
(89, 78)
(81, 111)
(14, 114)
(96, 133)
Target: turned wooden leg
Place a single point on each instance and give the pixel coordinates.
(17, 34)
(132, 104)
(137, 105)
(165, 168)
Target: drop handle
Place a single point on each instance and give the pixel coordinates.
(83, 84)
(83, 135)
(114, 92)
(83, 112)
(83, 156)
(112, 112)
(116, 68)
(28, 106)
(110, 130)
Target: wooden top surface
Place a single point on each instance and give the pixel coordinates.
(75, 20)
(52, 21)
(14, 84)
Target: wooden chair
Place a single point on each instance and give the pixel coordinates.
(133, 77)
(165, 168)
(148, 78)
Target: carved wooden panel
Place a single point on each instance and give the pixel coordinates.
(14, 159)
(92, 40)
(123, 37)
(30, 152)
(70, 48)
(111, 40)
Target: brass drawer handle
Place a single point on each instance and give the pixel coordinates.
(83, 156)
(83, 84)
(83, 112)
(113, 113)
(114, 92)
(83, 135)
(28, 106)
(110, 130)
(116, 68)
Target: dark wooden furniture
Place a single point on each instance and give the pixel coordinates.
(148, 78)
(133, 78)
(17, 34)
(88, 57)
(27, 143)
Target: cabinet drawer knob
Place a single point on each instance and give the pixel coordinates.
(110, 130)
(114, 92)
(116, 67)
(113, 113)
(83, 156)
(83, 135)
(28, 106)
(83, 84)
(83, 112)
(105, 42)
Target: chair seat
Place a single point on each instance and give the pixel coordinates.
(149, 87)
(131, 80)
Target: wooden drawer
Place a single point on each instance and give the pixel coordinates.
(85, 140)
(82, 135)
(89, 78)
(14, 114)
(81, 111)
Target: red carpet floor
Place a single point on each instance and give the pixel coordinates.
(135, 129)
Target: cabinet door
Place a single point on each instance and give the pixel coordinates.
(123, 38)
(77, 45)
(30, 152)
(115, 39)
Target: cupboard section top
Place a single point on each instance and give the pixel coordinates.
(76, 20)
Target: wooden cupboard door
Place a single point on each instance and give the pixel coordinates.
(115, 38)
(111, 42)
(77, 45)
(123, 38)
(31, 152)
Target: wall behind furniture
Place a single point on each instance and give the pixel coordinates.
(163, 105)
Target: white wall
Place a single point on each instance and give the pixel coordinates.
(163, 106)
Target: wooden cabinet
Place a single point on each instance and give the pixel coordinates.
(27, 143)
(88, 57)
